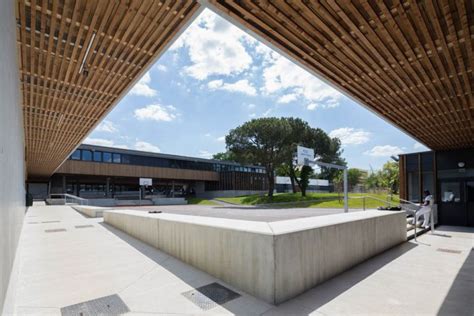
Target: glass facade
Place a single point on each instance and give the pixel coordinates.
(420, 175)
(86, 155)
(97, 156)
(130, 159)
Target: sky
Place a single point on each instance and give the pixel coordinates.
(214, 78)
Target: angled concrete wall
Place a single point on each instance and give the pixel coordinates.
(273, 261)
(12, 174)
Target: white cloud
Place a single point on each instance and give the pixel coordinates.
(142, 87)
(419, 146)
(162, 68)
(312, 106)
(144, 146)
(103, 142)
(243, 86)
(283, 76)
(267, 112)
(252, 115)
(287, 98)
(351, 136)
(205, 154)
(107, 127)
(328, 105)
(251, 105)
(215, 47)
(207, 134)
(221, 139)
(157, 112)
(384, 151)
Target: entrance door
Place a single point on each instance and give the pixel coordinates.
(452, 208)
(470, 202)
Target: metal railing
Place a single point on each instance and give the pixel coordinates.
(68, 199)
(387, 203)
(409, 207)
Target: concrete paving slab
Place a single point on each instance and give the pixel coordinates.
(60, 269)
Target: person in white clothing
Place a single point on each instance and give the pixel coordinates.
(425, 209)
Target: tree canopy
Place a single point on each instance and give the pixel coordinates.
(272, 142)
(261, 141)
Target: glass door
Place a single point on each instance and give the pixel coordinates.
(452, 208)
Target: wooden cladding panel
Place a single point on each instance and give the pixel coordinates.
(409, 61)
(123, 170)
(116, 40)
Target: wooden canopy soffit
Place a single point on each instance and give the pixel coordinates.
(77, 58)
(408, 61)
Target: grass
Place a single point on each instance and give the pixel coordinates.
(323, 200)
(200, 201)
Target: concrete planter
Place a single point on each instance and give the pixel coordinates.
(273, 261)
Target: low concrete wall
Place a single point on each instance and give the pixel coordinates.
(273, 261)
(170, 201)
(101, 202)
(227, 193)
(91, 211)
(133, 202)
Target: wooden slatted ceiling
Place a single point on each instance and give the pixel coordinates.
(409, 61)
(60, 104)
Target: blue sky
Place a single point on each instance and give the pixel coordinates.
(216, 77)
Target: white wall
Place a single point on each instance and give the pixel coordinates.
(12, 174)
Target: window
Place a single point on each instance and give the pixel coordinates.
(76, 155)
(450, 192)
(86, 155)
(413, 187)
(116, 158)
(97, 156)
(106, 157)
(126, 159)
(428, 183)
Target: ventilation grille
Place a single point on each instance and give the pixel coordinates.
(210, 296)
(107, 305)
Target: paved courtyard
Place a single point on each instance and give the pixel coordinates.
(65, 258)
(250, 213)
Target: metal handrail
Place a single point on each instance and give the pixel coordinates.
(69, 197)
(388, 203)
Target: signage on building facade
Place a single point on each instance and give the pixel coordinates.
(146, 181)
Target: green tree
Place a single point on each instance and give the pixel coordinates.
(224, 156)
(390, 176)
(306, 172)
(332, 154)
(354, 176)
(260, 141)
(327, 149)
(386, 178)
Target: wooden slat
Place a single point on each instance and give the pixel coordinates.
(124, 170)
(61, 105)
(408, 61)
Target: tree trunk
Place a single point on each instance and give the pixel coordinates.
(271, 182)
(293, 184)
(294, 179)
